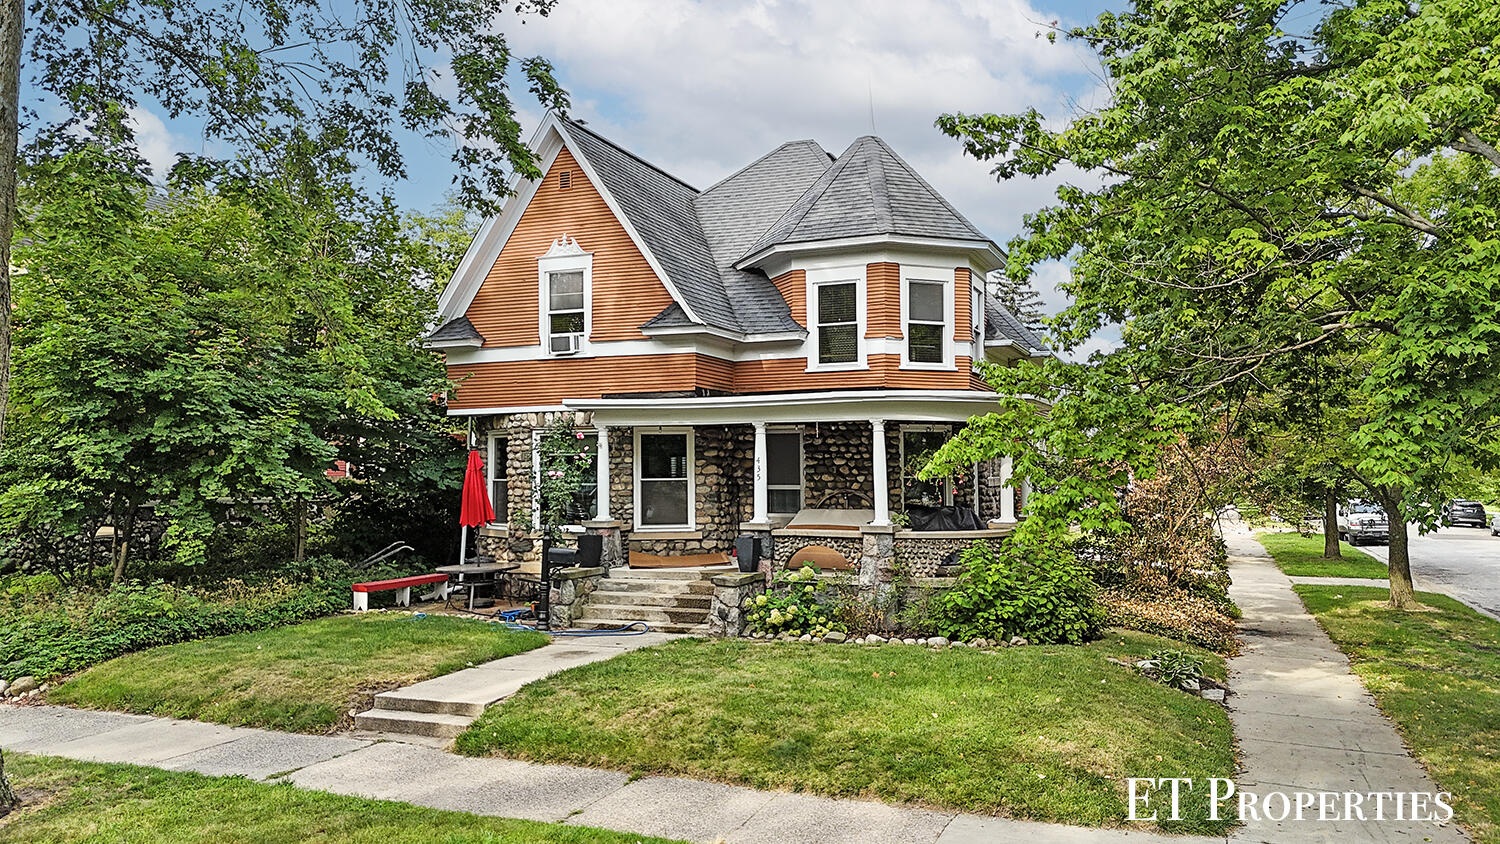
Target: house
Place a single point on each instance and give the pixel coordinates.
(775, 354)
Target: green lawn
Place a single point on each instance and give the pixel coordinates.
(1437, 674)
(302, 678)
(1041, 732)
(1302, 556)
(67, 801)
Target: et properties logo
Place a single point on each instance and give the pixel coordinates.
(1149, 796)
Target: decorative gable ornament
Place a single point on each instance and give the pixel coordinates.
(564, 247)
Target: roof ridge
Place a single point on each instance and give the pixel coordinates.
(576, 125)
(875, 173)
(711, 188)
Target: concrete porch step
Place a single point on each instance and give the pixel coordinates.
(682, 600)
(691, 629)
(434, 724)
(615, 585)
(431, 704)
(650, 614)
(668, 574)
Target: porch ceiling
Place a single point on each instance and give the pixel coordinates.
(904, 405)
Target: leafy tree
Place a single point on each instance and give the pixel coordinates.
(265, 78)
(1271, 197)
(220, 350)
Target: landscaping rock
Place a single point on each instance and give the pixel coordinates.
(1191, 686)
(938, 641)
(22, 685)
(977, 643)
(805, 637)
(1018, 641)
(1215, 695)
(835, 637)
(872, 639)
(4, 684)
(908, 641)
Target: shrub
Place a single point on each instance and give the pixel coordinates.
(797, 603)
(1175, 615)
(46, 636)
(1042, 593)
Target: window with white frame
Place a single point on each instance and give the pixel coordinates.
(926, 321)
(784, 471)
(495, 467)
(664, 480)
(976, 319)
(584, 449)
(565, 311)
(918, 444)
(837, 322)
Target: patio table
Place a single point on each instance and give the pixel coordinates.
(477, 574)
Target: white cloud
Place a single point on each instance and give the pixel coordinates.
(157, 144)
(704, 88)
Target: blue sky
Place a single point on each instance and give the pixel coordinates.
(702, 88)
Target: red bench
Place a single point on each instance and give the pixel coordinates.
(402, 585)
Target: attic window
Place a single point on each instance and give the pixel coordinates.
(565, 180)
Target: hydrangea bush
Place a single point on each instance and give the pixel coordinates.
(797, 603)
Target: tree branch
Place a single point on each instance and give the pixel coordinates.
(1472, 143)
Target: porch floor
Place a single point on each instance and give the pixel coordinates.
(642, 560)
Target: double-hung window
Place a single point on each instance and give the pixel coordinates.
(926, 321)
(838, 323)
(976, 318)
(565, 311)
(784, 471)
(664, 480)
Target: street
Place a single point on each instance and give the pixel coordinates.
(1460, 561)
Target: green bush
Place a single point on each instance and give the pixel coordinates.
(50, 635)
(1042, 593)
(797, 603)
(1173, 668)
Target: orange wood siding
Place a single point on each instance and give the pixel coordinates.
(883, 297)
(546, 382)
(961, 304)
(626, 291)
(793, 287)
(784, 375)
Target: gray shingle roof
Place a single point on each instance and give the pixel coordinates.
(660, 208)
(796, 192)
(734, 213)
(457, 329)
(869, 190)
(1001, 324)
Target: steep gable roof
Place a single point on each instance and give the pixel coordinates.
(869, 190)
(659, 206)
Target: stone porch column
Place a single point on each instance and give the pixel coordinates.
(882, 494)
(1007, 492)
(762, 495)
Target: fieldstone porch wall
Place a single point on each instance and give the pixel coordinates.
(571, 588)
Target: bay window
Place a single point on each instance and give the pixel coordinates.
(838, 323)
(925, 321)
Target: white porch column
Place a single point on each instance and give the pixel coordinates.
(882, 494)
(601, 475)
(1007, 492)
(762, 504)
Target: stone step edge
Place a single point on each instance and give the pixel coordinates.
(435, 725)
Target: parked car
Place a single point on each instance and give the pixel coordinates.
(1495, 525)
(1460, 511)
(1360, 522)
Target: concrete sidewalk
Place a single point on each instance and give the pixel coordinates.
(663, 806)
(1303, 720)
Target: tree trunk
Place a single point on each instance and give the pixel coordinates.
(299, 544)
(11, 26)
(1331, 525)
(8, 799)
(122, 536)
(1403, 596)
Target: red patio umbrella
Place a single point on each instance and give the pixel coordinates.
(476, 509)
